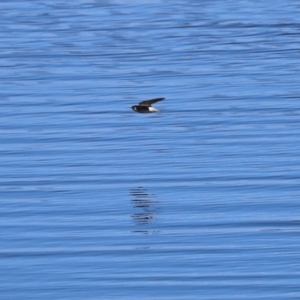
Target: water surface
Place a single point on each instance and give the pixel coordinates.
(200, 201)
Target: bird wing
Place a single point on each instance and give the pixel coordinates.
(149, 102)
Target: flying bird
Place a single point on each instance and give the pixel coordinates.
(145, 106)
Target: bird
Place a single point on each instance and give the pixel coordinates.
(145, 106)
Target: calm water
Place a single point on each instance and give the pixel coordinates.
(200, 201)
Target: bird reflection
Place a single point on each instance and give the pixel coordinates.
(146, 206)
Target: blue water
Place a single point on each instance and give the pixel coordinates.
(199, 201)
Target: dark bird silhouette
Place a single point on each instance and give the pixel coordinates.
(145, 106)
